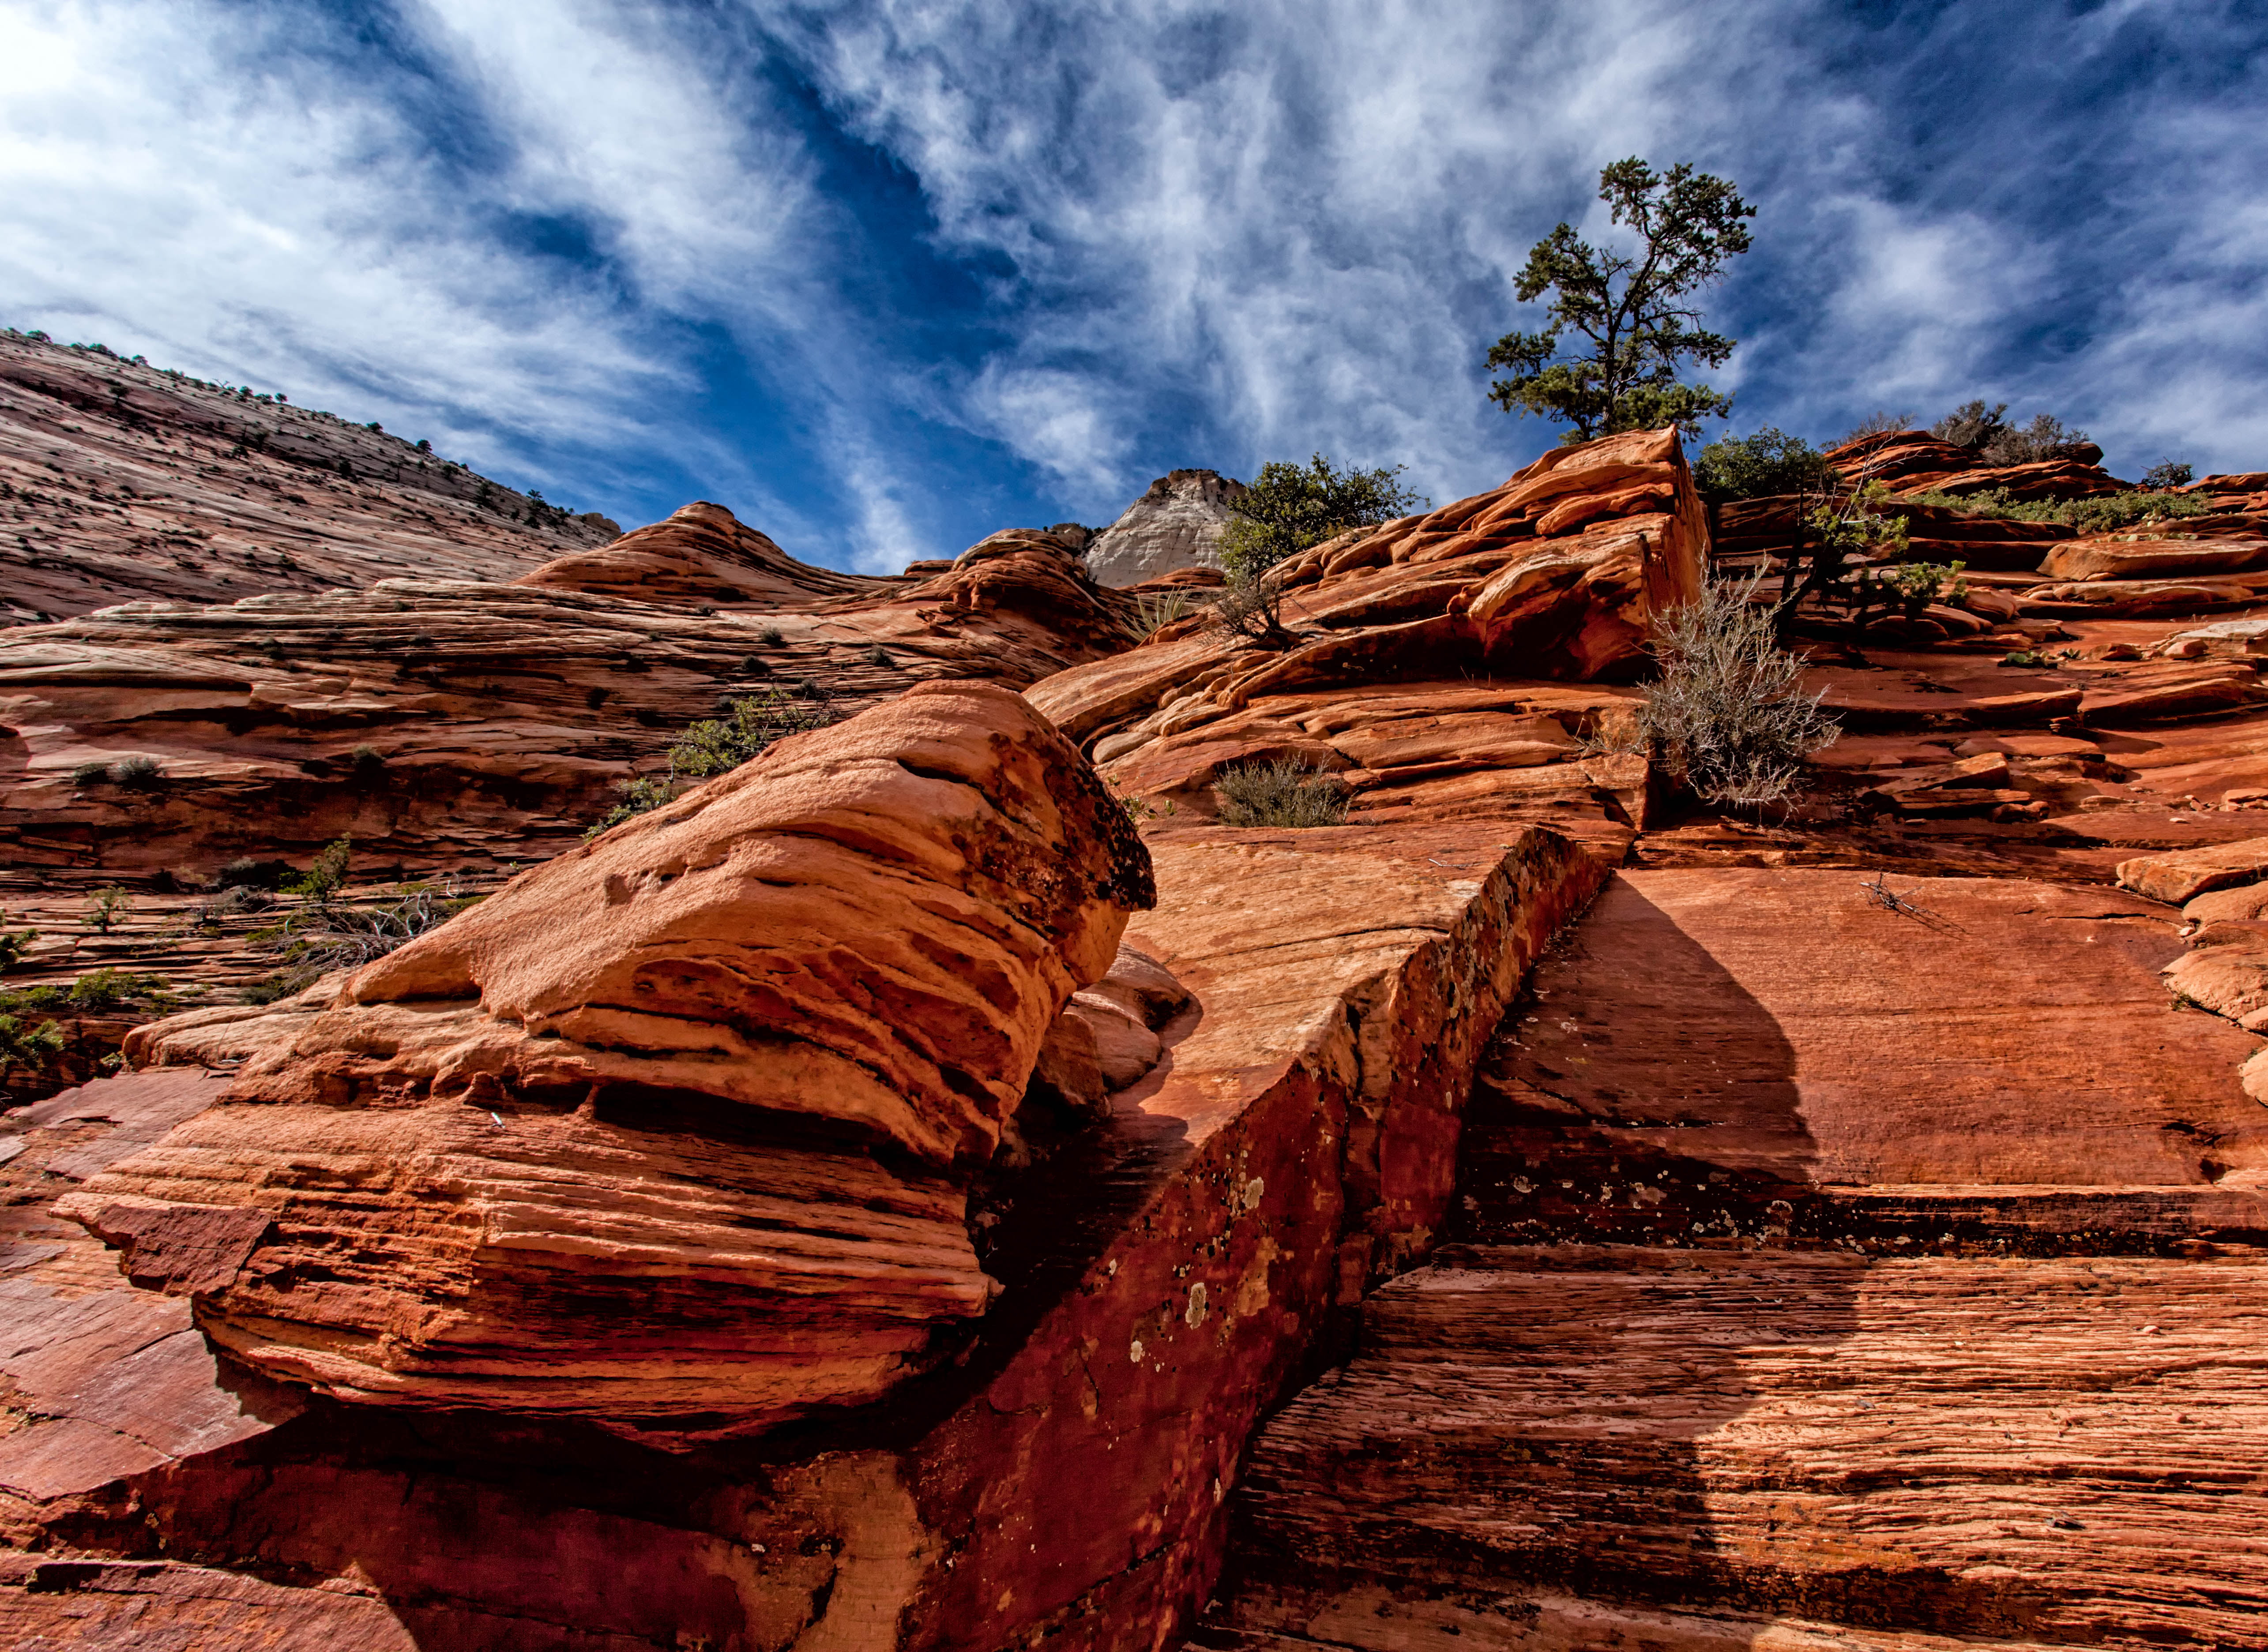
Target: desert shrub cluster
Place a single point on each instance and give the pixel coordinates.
(1986, 432)
(2105, 514)
(1284, 793)
(1727, 716)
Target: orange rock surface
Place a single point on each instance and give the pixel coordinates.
(456, 725)
(1832, 1276)
(121, 482)
(724, 1074)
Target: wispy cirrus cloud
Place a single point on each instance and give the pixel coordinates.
(885, 274)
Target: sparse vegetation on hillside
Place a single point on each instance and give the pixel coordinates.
(328, 935)
(1634, 311)
(748, 726)
(1285, 793)
(1727, 716)
(1154, 611)
(2106, 513)
(1879, 423)
(32, 1036)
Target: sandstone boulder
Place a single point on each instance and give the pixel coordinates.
(2129, 557)
(1914, 461)
(1554, 574)
(1177, 524)
(2181, 876)
(674, 1132)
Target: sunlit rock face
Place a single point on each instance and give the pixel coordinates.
(1177, 524)
(676, 1132)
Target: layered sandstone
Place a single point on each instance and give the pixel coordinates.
(751, 1046)
(1163, 1276)
(462, 726)
(1177, 524)
(1914, 461)
(1816, 1292)
(122, 482)
(1556, 575)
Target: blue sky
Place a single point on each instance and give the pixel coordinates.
(887, 275)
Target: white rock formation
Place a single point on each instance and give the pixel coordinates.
(1177, 524)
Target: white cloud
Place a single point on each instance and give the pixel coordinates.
(1197, 236)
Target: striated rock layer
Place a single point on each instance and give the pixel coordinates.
(456, 724)
(1176, 524)
(120, 482)
(1833, 1275)
(1411, 672)
(674, 1132)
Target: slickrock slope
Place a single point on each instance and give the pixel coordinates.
(1059, 1485)
(120, 482)
(1176, 524)
(1851, 1239)
(463, 725)
(1413, 674)
(1300, 1020)
(1834, 1276)
(702, 554)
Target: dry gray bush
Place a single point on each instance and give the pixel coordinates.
(1285, 793)
(1728, 715)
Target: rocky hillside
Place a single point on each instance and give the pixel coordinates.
(1256, 1142)
(120, 481)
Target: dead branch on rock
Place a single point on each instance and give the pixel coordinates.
(1883, 895)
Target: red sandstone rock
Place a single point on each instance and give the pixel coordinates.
(1557, 574)
(701, 554)
(120, 482)
(2128, 557)
(447, 725)
(1913, 461)
(1767, 1330)
(2176, 878)
(842, 956)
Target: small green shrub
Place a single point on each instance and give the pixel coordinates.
(1284, 793)
(320, 882)
(1155, 610)
(1759, 467)
(137, 774)
(771, 636)
(31, 1046)
(15, 944)
(880, 655)
(108, 906)
(90, 775)
(366, 762)
(2167, 474)
(717, 745)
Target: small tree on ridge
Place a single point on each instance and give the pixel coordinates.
(1632, 309)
